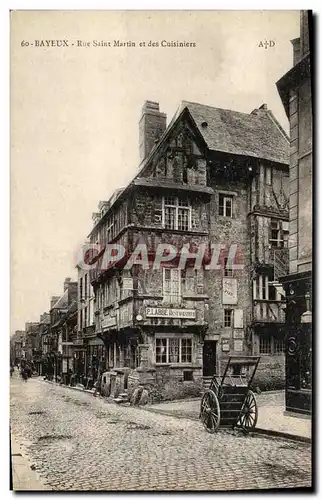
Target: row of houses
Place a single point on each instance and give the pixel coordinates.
(211, 177)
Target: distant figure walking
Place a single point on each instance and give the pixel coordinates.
(11, 370)
(24, 373)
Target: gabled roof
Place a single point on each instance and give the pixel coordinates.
(257, 134)
(62, 302)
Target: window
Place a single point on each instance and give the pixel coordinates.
(272, 294)
(225, 205)
(228, 317)
(279, 234)
(173, 350)
(186, 350)
(278, 346)
(191, 281)
(81, 288)
(85, 286)
(228, 272)
(171, 285)
(188, 376)
(270, 344)
(260, 291)
(110, 228)
(81, 320)
(176, 213)
(264, 290)
(265, 345)
(85, 317)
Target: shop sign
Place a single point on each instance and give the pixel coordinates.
(225, 346)
(239, 334)
(238, 345)
(108, 322)
(96, 341)
(127, 283)
(163, 312)
(229, 291)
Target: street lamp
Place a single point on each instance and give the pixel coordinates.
(307, 315)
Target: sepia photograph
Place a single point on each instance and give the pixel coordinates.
(161, 250)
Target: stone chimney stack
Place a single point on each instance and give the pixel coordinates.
(296, 50)
(151, 126)
(261, 109)
(66, 283)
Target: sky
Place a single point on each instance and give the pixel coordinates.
(75, 112)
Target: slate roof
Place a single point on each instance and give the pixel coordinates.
(257, 134)
(62, 302)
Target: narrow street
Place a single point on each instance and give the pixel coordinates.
(77, 442)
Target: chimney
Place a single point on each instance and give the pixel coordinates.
(151, 126)
(296, 50)
(261, 108)
(66, 283)
(304, 33)
(53, 301)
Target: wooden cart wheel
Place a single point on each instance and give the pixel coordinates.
(210, 411)
(249, 413)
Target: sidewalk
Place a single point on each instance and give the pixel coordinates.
(23, 477)
(271, 416)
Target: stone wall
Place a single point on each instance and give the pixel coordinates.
(270, 374)
(227, 231)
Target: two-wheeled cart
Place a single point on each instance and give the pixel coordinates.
(229, 401)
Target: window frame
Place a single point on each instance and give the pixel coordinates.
(167, 355)
(172, 298)
(225, 197)
(282, 234)
(228, 272)
(275, 345)
(231, 315)
(178, 206)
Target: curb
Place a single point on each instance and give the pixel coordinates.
(285, 435)
(89, 391)
(257, 430)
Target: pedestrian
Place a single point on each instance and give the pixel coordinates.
(24, 374)
(11, 370)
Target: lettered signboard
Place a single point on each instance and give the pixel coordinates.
(229, 291)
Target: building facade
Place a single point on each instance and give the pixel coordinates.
(63, 325)
(17, 344)
(31, 340)
(212, 177)
(296, 94)
(88, 348)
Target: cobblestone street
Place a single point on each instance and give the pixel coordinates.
(77, 442)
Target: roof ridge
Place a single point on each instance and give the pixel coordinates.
(277, 124)
(216, 107)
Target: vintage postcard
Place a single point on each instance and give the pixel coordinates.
(161, 262)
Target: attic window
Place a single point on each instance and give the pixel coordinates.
(204, 124)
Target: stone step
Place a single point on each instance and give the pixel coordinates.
(118, 400)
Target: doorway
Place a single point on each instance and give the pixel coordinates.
(209, 357)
